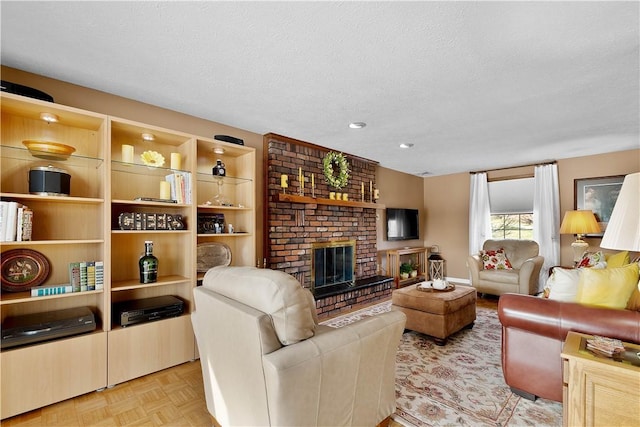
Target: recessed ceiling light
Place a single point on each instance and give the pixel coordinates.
(406, 145)
(148, 136)
(218, 150)
(357, 125)
(49, 117)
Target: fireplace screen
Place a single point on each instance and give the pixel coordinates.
(333, 263)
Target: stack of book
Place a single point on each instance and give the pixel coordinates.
(83, 276)
(16, 222)
(180, 186)
(605, 346)
(86, 276)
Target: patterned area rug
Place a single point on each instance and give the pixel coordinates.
(459, 384)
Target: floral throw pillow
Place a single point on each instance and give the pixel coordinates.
(495, 260)
(592, 260)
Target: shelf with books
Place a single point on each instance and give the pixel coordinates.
(25, 296)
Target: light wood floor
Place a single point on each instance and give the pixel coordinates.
(173, 397)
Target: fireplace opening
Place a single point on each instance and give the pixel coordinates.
(333, 263)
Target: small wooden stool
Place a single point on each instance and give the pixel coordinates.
(436, 313)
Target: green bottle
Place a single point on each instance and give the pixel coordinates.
(148, 264)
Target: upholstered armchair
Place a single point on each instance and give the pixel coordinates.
(266, 361)
(521, 278)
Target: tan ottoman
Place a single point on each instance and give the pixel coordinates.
(438, 314)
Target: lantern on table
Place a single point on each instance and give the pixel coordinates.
(436, 264)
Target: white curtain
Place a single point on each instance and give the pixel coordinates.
(546, 217)
(479, 212)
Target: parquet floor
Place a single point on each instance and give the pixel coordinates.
(172, 397)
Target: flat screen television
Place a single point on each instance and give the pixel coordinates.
(402, 224)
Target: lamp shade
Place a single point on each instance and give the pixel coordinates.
(579, 222)
(623, 229)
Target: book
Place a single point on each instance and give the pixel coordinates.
(19, 223)
(27, 224)
(91, 275)
(12, 215)
(605, 345)
(4, 210)
(74, 276)
(99, 275)
(42, 291)
(83, 276)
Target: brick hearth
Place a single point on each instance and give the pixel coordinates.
(293, 227)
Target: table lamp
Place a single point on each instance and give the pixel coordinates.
(579, 223)
(623, 229)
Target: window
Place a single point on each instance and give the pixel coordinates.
(512, 226)
(512, 208)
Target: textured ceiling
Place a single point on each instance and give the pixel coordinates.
(473, 85)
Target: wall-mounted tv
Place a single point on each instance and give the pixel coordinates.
(402, 224)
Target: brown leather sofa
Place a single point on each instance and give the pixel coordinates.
(534, 330)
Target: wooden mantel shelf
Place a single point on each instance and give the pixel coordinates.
(292, 198)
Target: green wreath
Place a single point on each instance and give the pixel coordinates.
(330, 162)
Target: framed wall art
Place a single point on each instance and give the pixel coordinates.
(598, 195)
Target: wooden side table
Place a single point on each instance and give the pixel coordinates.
(599, 391)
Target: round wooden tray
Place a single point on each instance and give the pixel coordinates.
(48, 149)
(449, 288)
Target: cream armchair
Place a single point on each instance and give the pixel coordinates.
(266, 361)
(522, 279)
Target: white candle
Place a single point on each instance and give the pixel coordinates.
(176, 160)
(283, 181)
(127, 153)
(165, 190)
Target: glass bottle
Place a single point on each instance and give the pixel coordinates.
(219, 169)
(148, 264)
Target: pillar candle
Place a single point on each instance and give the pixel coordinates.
(127, 153)
(176, 159)
(165, 190)
(313, 182)
(302, 181)
(299, 174)
(283, 181)
(370, 188)
(362, 188)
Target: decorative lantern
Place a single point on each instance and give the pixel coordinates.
(436, 264)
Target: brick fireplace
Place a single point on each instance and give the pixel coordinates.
(297, 225)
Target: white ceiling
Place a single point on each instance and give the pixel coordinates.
(473, 85)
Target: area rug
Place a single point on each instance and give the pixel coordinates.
(459, 384)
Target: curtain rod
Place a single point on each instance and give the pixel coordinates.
(551, 162)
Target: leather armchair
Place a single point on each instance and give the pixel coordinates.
(522, 279)
(533, 333)
(266, 361)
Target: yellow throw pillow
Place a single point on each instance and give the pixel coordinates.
(609, 287)
(618, 260)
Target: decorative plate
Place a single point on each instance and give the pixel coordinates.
(23, 269)
(48, 150)
(212, 255)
